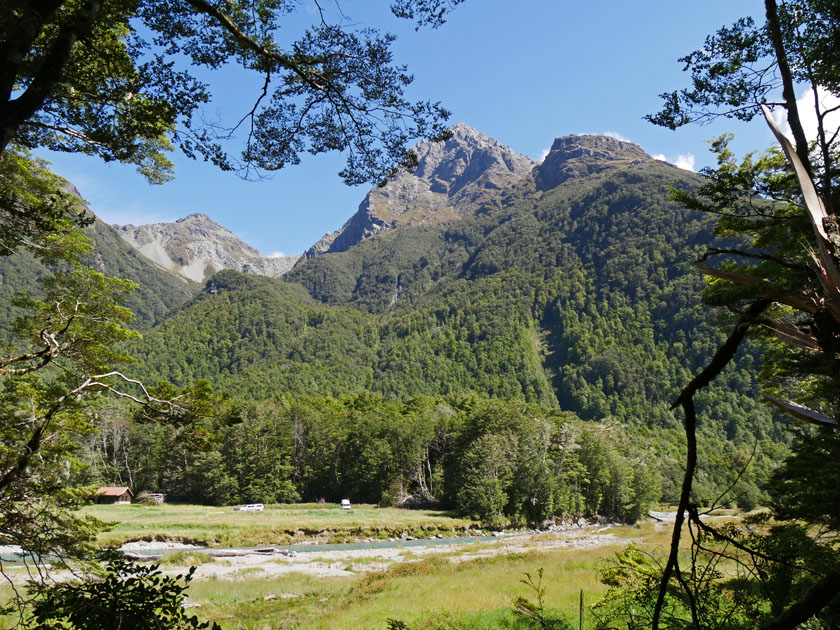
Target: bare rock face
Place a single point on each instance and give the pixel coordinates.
(581, 156)
(196, 247)
(452, 179)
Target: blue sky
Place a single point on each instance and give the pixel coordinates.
(522, 72)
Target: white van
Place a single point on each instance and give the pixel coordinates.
(345, 504)
(253, 507)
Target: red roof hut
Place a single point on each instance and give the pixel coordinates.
(114, 494)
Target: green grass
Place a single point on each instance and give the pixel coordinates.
(278, 524)
(186, 558)
(469, 594)
(242, 604)
(433, 594)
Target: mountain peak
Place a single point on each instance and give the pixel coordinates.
(605, 147)
(195, 217)
(582, 155)
(453, 178)
(464, 157)
(195, 247)
(462, 128)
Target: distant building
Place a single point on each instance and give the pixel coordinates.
(114, 494)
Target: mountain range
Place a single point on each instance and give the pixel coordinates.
(565, 282)
(453, 179)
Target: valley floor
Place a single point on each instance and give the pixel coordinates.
(434, 585)
(457, 587)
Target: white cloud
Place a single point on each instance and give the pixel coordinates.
(544, 154)
(275, 255)
(685, 161)
(805, 105)
(617, 136)
(778, 115)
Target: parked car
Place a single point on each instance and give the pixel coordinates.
(345, 504)
(251, 507)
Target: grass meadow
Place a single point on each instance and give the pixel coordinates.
(278, 524)
(439, 592)
(448, 590)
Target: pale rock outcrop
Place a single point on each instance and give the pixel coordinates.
(196, 247)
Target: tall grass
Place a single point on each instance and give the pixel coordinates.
(445, 591)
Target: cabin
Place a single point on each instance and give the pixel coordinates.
(114, 494)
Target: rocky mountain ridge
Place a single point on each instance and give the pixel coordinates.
(584, 155)
(196, 247)
(453, 179)
(465, 174)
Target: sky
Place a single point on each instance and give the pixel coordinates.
(522, 72)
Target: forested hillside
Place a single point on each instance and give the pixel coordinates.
(566, 291)
(157, 292)
(579, 295)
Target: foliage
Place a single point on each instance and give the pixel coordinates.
(67, 343)
(126, 595)
(60, 355)
(37, 211)
(633, 577)
(496, 461)
(741, 575)
(746, 64)
(782, 279)
(795, 494)
(119, 80)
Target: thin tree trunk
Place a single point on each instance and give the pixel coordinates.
(788, 93)
(686, 399)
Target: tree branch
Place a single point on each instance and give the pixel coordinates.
(20, 39)
(225, 21)
(714, 251)
(817, 597)
(686, 399)
(18, 111)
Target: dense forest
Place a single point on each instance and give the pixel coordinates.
(502, 462)
(548, 332)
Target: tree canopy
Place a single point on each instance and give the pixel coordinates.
(126, 80)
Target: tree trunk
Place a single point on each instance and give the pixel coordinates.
(788, 93)
(15, 113)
